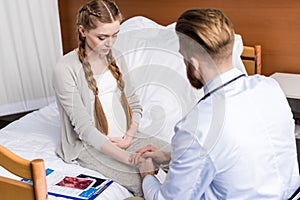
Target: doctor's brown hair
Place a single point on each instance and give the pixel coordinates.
(105, 11)
(210, 28)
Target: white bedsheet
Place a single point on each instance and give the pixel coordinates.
(37, 136)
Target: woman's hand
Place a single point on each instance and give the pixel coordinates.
(135, 159)
(122, 142)
(125, 141)
(146, 166)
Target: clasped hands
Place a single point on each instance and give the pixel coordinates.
(148, 160)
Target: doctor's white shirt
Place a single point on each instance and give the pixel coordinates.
(237, 143)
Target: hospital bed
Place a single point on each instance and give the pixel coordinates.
(157, 72)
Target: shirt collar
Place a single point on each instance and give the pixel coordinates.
(221, 79)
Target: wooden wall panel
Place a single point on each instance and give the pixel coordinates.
(274, 24)
(67, 12)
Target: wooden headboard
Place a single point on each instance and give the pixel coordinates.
(273, 24)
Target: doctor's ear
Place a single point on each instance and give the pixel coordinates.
(82, 31)
(196, 63)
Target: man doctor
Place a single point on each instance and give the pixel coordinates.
(238, 141)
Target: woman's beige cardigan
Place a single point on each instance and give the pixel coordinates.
(74, 104)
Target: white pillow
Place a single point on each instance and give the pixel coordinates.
(158, 74)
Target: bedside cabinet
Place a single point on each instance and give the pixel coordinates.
(290, 84)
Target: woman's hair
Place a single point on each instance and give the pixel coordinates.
(208, 27)
(105, 11)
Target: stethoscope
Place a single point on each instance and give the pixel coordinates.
(220, 87)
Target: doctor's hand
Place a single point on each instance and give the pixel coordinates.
(136, 159)
(147, 167)
(159, 157)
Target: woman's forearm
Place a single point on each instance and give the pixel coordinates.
(115, 152)
(132, 130)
